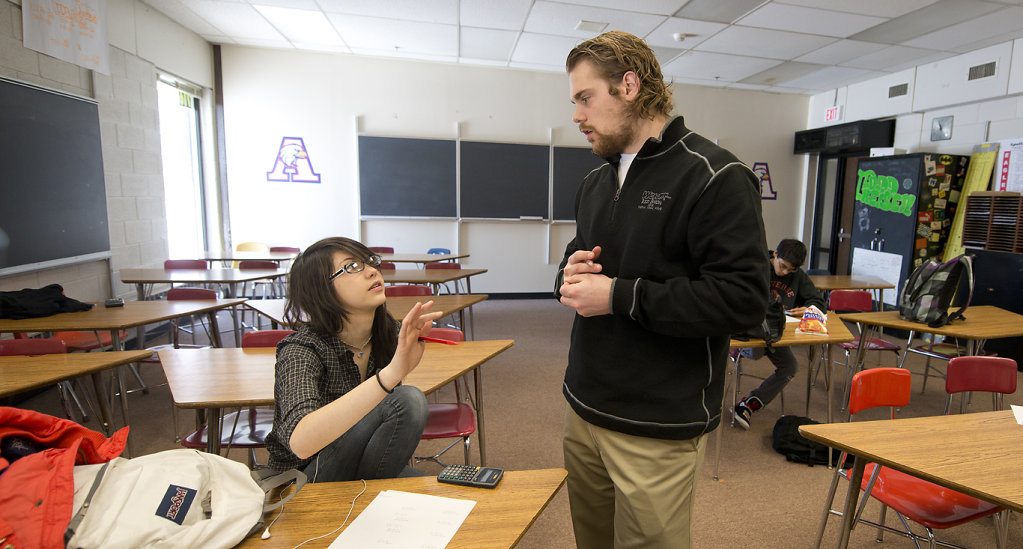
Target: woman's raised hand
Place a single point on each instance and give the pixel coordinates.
(409, 352)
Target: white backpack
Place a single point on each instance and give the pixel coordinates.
(175, 498)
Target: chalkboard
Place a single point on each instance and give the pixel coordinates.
(52, 193)
(504, 180)
(402, 177)
(571, 164)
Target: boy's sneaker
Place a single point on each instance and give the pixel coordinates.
(741, 413)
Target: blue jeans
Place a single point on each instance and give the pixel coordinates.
(785, 367)
(379, 445)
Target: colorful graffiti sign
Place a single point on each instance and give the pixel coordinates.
(882, 192)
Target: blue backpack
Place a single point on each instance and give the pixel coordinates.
(929, 291)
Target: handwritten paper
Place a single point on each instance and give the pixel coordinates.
(1018, 412)
(71, 30)
(403, 519)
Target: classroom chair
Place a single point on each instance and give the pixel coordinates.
(292, 249)
(46, 346)
(945, 350)
(859, 301)
(250, 247)
(381, 249)
(264, 283)
(990, 374)
(446, 265)
(386, 266)
(173, 264)
(438, 251)
(449, 419)
(248, 428)
(408, 289)
(927, 504)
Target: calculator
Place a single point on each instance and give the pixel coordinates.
(471, 475)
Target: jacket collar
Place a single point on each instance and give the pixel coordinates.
(672, 131)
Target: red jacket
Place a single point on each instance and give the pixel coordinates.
(37, 491)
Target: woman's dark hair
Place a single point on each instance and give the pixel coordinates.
(313, 301)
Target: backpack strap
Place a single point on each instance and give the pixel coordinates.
(76, 520)
(269, 480)
(967, 265)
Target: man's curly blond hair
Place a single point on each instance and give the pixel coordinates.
(615, 53)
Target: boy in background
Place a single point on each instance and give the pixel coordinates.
(791, 286)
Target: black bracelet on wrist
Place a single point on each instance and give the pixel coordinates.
(382, 386)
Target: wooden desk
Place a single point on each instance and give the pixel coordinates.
(277, 257)
(853, 282)
(498, 521)
(398, 306)
(837, 333)
(234, 377)
(433, 277)
(976, 454)
(134, 314)
(24, 373)
(143, 279)
(420, 258)
(982, 323)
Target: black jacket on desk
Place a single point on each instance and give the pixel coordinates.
(684, 242)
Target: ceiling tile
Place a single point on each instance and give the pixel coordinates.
(781, 74)
(840, 52)
(657, 7)
(766, 43)
(1005, 20)
(392, 35)
(430, 11)
(716, 66)
(809, 20)
(186, 17)
(543, 49)
(929, 19)
(835, 77)
(295, 4)
(662, 35)
(553, 18)
(716, 10)
(236, 19)
(495, 14)
(887, 58)
(879, 8)
(486, 43)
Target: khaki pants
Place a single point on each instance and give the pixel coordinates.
(629, 491)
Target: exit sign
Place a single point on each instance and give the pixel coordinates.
(833, 113)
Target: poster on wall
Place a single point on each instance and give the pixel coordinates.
(292, 163)
(1008, 175)
(883, 265)
(71, 30)
(763, 173)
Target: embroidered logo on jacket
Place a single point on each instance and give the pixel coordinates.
(175, 503)
(653, 201)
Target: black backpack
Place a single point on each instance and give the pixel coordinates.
(795, 447)
(770, 329)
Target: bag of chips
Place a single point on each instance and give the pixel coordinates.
(814, 322)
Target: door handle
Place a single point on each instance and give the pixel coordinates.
(841, 234)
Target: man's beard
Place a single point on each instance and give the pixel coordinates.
(610, 144)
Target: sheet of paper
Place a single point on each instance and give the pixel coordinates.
(1018, 412)
(403, 519)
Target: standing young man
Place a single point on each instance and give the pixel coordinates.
(668, 259)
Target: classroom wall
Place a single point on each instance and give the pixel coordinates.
(328, 100)
(129, 126)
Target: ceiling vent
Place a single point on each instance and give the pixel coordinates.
(897, 91)
(982, 71)
(590, 26)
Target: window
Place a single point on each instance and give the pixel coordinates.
(180, 145)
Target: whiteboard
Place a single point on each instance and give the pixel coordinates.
(883, 265)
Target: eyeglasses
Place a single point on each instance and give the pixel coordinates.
(356, 266)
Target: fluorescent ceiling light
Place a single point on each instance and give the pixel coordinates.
(310, 27)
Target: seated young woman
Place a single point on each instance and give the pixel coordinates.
(341, 410)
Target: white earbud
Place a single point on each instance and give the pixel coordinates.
(266, 533)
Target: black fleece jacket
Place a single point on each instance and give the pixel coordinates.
(684, 243)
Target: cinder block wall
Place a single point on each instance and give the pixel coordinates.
(130, 131)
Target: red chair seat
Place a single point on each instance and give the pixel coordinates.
(924, 502)
(875, 344)
(248, 434)
(87, 341)
(449, 420)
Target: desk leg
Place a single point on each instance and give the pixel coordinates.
(855, 479)
(229, 290)
(721, 424)
(101, 399)
(140, 291)
(118, 345)
(214, 329)
(477, 378)
(213, 431)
